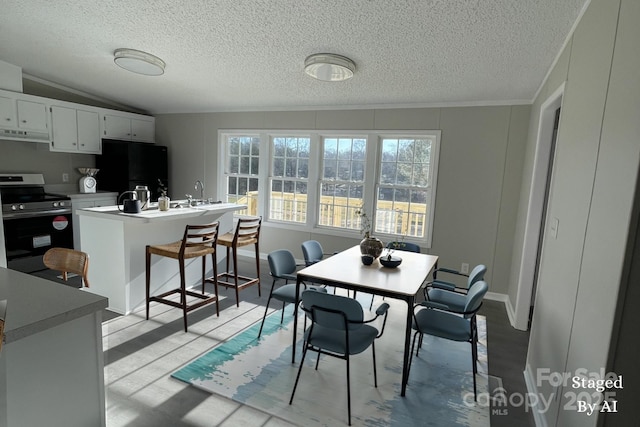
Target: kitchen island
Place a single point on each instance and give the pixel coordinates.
(116, 241)
(51, 362)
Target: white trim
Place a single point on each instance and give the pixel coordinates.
(495, 296)
(564, 45)
(533, 226)
(532, 389)
(486, 103)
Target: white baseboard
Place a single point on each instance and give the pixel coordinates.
(511, 313)
(494, 296)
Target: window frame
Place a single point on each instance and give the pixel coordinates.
(371, 184)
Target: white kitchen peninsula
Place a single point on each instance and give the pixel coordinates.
(51, 362)
(116, 243)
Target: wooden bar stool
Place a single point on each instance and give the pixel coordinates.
(68, 261)
(198, 241)
(247, 232)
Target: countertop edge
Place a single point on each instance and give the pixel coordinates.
(51, 322)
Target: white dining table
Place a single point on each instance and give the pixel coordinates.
(345, 270)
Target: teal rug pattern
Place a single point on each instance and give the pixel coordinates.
(259, 373)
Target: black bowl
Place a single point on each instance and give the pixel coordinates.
(390, 261)
(367, 259)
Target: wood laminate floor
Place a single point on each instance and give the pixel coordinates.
(140, 355)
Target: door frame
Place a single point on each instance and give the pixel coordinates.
(535, 206)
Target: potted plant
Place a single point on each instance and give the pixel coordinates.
(369, 245)
(163, 199)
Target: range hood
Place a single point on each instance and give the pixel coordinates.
(25, 135)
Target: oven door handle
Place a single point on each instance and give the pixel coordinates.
(19, 215)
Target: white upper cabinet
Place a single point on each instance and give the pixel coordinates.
(22, 119)
(129, 129)
(143, 130)
(89, 140)
(32, 116)
(67, 126)
(75, 130)
(8, 112)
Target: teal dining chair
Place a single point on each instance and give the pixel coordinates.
(447, 293)
(439, 320)
(282, 265)
(338, 329)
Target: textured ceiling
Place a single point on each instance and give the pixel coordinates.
(226, 55)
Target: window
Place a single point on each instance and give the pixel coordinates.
(289, 179)
(241, 171)
(342, 183)
(317, 181)
(404, 197)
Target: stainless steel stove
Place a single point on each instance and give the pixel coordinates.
(34, 221)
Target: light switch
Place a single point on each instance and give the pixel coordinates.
(553, 227)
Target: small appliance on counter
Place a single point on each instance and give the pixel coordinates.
(88, 182)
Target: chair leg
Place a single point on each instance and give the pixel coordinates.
(258, 268)
(265, 315)
(474, 361)
(183, 295)
(375, 373)
(282, 314)
(235, 274)
(413, 344)
(204, 267)
(348, 391)
(214, 259)
(148, 277)
(295, 385)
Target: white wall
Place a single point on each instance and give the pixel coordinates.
(481, 157)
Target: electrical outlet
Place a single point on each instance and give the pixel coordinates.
(65, 177)
(465, 268)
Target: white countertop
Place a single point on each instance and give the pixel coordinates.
(96, 195)
(153, 214)
(35, 304)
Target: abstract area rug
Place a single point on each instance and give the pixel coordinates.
(259, 373)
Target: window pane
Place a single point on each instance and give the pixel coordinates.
(330, 148)
(245, 147)
(344, 148)
(357, 171)
(253, 184)
(403, 193)
(276, 185)
(405, 150)
(255, 146)
(304, 147)
(291, 167)
(242, 186)
(303, 168)
(232, 185)
(254, 165)
(344, 170)
(389, 150)
(330, 170)
(278, 166)
(234, 164)
(244, 165)
(278, 147)
(234, 146)
(359, 149)
(404, 174)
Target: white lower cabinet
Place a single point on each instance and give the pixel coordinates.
(81, 201)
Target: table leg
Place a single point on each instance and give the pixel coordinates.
(407, 347)
(295, 319)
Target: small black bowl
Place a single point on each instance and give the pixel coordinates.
(390, 261)
(367, 259)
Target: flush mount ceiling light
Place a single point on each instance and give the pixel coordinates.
(139, 62)
(329, 67)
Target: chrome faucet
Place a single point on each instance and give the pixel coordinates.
(199, 183)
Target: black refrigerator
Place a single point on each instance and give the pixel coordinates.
(124, 164)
